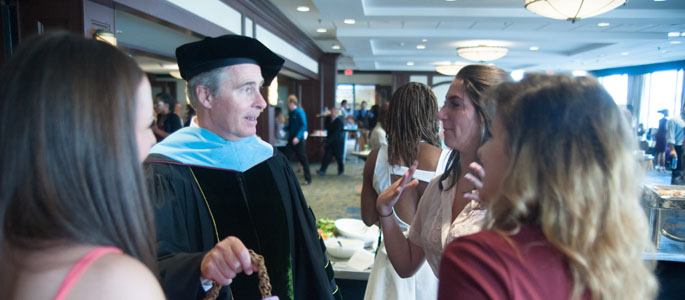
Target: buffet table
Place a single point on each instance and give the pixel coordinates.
(343, 271)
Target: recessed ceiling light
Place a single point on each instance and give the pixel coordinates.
(534, 48)
(450, 0)
(675, 42)
(424, 40)
(410, 63)
(673, 34)
(321, 30)
(303, 8)
(349, 21)
(625, 53)
(659, 0)
(420, 46)
(336, 47)
(603, 24)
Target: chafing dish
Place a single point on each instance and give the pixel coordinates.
(669, 199)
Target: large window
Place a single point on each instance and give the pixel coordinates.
(661, 90)
(617, 86)
(355, 94)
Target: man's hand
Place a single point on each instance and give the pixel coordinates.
(673, 153)
(228, 258)
(295, 141)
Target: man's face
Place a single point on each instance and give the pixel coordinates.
(363, 105)
(234, 112)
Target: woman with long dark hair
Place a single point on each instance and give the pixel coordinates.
(447, 208)
(75, 121)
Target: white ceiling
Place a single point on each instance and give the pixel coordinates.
(387, 32)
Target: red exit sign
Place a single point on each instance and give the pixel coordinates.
(348, 72)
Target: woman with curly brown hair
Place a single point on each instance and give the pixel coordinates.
(412, 130)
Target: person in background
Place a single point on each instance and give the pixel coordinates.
(189, 115)
(675, 132)
(363, 117)
(167, 121)
(544, 237)
(78, 223)
(377, 138)
(279, 128)
(449, 206)
(374, 116)
(660, 146)
(345, 110)
(220, 190)
(335, 143)
(413, 129)
(297, 126)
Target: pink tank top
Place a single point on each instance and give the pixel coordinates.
(81, 266)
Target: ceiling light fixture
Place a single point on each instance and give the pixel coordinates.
(303, 8)
(410, 63)
(675, 42)
(336, 47)
(420, 46)
(673, 34)
(603, 24)
(449, 70)
(321, 30)
(571, 10)
(482, 53)
(349, 21)
(534, 48)
(625, 53)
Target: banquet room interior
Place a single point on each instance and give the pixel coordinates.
(363, 50)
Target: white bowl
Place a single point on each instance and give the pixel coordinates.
(356, 229)
(343, 247)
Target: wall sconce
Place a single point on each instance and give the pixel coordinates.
(105, 36)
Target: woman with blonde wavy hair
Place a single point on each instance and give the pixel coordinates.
(564, 220)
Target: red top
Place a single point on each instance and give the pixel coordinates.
(485, 265)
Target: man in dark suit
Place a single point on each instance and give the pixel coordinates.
(335, 143)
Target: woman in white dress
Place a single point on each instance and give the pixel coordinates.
(412, 131)
(449, 206)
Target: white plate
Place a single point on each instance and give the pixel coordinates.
(343, 247)
(356, 229)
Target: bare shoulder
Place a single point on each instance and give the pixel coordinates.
(118, 276)
(428, 156)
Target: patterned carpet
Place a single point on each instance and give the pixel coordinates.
(334, 196)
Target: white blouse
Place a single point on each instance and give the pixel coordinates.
(433, 228)
(383, 171)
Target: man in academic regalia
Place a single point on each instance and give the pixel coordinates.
(220, 190)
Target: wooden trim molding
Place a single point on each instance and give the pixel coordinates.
(267, 15)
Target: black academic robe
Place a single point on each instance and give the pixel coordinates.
(264, 207)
